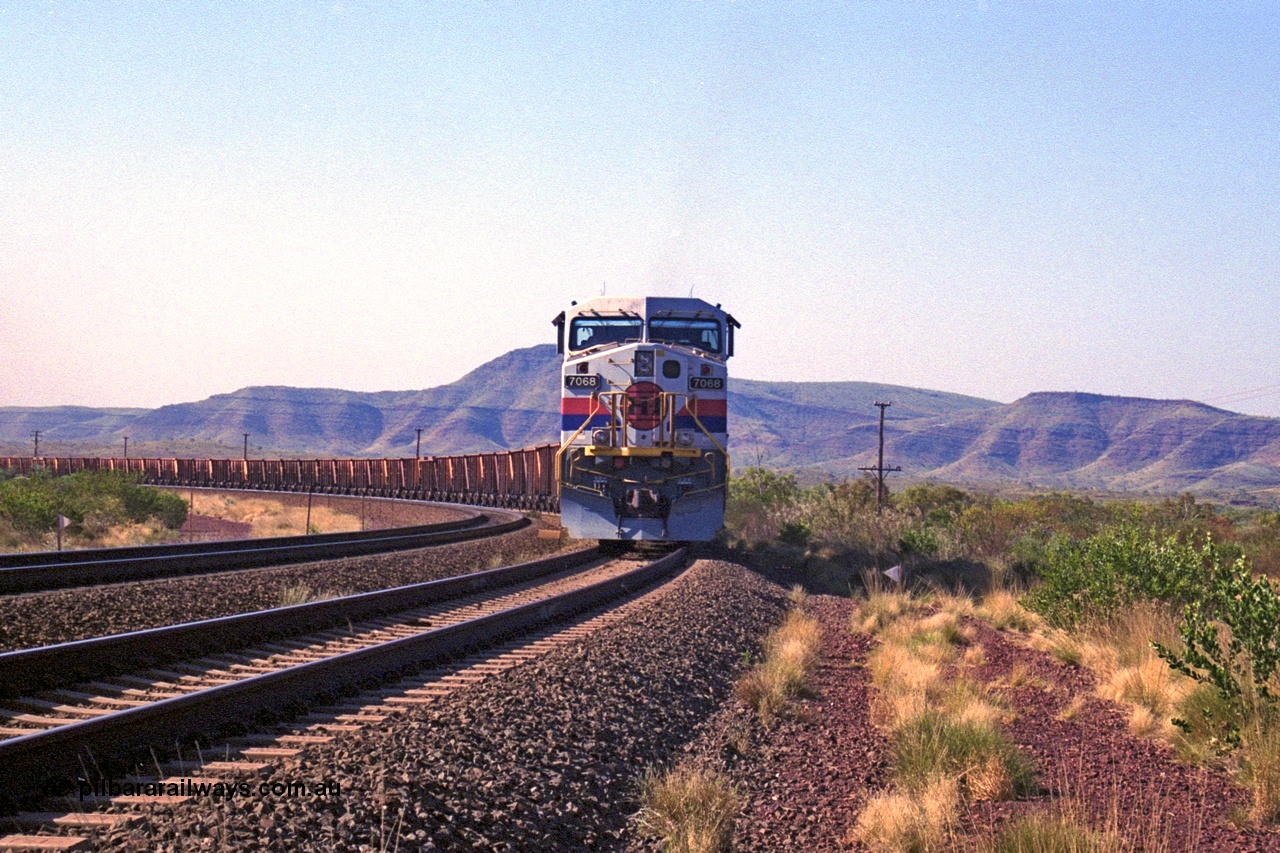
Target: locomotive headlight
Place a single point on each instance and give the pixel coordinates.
(644, 362)
(600, 437)
(684, 438)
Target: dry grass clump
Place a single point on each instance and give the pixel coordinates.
(903, 823)
(1000, 607)
(300, 593)
(906, 685)
(884, 605)
(1052, 832)
(1260, 770)
(1120, 653)
(973, 750)
(790, 653)
(1128, 670)
(690, 810)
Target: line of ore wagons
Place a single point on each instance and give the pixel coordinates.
(518, 479)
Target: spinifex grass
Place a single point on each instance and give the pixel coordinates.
(947, 734)
(300, 593)
(975, 751)
(691, 810)
(790, 652)
(909, 823)
(1051, 832)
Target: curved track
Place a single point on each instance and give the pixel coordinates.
(52, 731)
(23, 573)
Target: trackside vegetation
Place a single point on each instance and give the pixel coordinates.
(830, 533)
(93, 502)
(1172, 603)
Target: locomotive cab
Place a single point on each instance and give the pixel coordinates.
(644, 437)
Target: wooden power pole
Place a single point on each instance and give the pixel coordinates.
(879, 468)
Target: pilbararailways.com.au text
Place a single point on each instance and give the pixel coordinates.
(190, 787)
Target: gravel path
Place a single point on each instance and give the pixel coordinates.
(59, 616)
(547, 756)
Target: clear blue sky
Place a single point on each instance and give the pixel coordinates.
(987, 198)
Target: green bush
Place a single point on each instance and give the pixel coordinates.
(1094, 578)
(29, 508)
(1230, 638)
(918, 540)
(763, 487)
(32, 504)
(795, 533)
(934, 504)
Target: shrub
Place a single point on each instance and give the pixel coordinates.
(1092, 579)
(1230, 640)
(32, 504)
(918, 540)
(795, 533)
(27, 507)
(934, 504)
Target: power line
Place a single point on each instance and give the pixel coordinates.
(1246, 395)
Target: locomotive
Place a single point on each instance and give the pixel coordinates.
(643, 417)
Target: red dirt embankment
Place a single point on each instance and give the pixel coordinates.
(807, 780)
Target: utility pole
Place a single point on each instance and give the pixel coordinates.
(126, 447)
(35, 454)
(246, 447)
(880, 469)
(417, 454)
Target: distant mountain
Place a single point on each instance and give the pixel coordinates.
(1064, 440)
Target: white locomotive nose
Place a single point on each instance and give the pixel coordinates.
(643, 418)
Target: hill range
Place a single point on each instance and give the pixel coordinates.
(818, 429)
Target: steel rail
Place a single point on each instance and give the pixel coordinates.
(114, 735)
(49, 667)
(249, 554)
(470, 518)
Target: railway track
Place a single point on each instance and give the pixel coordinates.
(24, 573)
(77, 709)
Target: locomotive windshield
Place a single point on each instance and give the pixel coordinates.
(702, 334)
(587, 332)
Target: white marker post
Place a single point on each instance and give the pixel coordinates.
(63, 521)
(894, 574)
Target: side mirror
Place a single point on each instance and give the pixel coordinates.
(558, 322)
